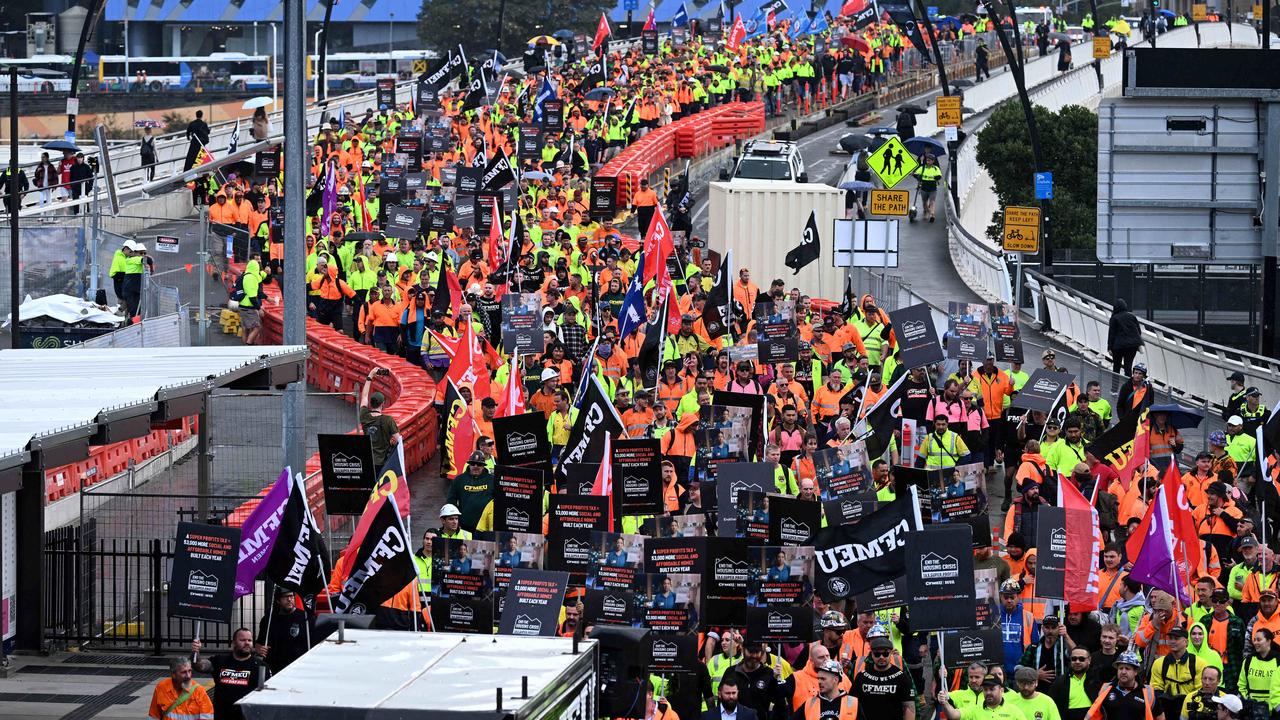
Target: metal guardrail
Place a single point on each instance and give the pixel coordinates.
(1192, 368)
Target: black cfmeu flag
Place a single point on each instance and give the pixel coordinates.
(884, 418)
(809, 249)
(597, 74)
(448, 69)
(717, 316)
(382, 566)
(905, 19)
(866, 16)
(498, 173)
(651, 349)
(477, 92)
(298, 558)
(855, 558)
(597, 417)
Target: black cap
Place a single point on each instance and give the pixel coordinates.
(1177, 631)
(1236, 376)
(991, 680)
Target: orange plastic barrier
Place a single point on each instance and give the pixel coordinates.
(107, 461)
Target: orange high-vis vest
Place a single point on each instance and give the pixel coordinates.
(848, 708)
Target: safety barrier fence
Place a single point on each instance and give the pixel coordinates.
(1192, 368)
(107, 461)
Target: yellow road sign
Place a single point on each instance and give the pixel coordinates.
(1199, 12)
(1101, 48)
(1022, 229)
(1257, 11)
(890, 202)
(892, 162)
(419, 67)
(948, 111)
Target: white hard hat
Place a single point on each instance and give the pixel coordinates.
(449, 510)
(550, 374)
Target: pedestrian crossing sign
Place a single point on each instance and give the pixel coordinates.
(892, 162)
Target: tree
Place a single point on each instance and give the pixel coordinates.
(442, 24)
(1069, 140)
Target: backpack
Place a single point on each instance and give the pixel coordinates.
(237, 290)
(1108, 512)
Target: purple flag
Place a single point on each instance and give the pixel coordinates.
(328, 200)
(1155, 565)
(258, 534)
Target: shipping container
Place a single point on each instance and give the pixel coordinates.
(762, 221)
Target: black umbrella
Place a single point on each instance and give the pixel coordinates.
(362, 236)
(853, 143)
(600, 93)
(913, 109)
(565, 35)
(717, 68)
(961, 83)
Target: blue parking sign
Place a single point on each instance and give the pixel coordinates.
(933, 11)
(1044, 185)
(630, 5)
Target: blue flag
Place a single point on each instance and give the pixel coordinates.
(819, 25)
(588, 370)
(800, 25)
(548, 92)
(681, 18)
(631, 314)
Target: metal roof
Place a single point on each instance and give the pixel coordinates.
(247, 11)
(79, 393)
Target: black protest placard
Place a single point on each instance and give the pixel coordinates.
(1042, 390)
(849, 509)
(670, 601)
(792, 521)
(780, 575)
(967, 331)
(637, 475)
(578, 512)
(487, 212)
(755, 405)
(521, 439)
(462, 568)
(752, 517)
(855, 558)
(609, 607)
(604, 198)
(675, 555)
(391, 185)
(793, 624)
(727, 581)
(521, 329)
(670, 653)
(448, 173)
(616, 561)
(403, 222)
(386, 93)
(531, 138)
(427, 99)
(517, 499)
(266, 164)
(649, 42)
(414, 181)
(940, 578)
(553, 116)
(203, 577)
(841, 471)
(1051, 552)
(570, 551)
(960, 648)
(884, 596)
(533, 602)
(462, 614)
(410, 144)
(580, 478)
(735, 478)
(1005, 334)
(464, 211)
(346, 467)
(439, 216)
(917, 336)
(468, 179)
(777, 341)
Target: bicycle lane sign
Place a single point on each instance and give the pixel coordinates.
(1021, 229)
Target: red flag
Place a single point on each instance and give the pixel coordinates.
(366, 222)
(602, 32)
(604, 477)
(467, 365)
(658, 246)
(1084, 546)
(736, 34)
(650, 23)
(461, 432)
(1186, 543)
(511, 401)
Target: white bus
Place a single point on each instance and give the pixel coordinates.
(219, 71)
(351, 71)
(39, 74)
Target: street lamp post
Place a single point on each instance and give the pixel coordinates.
(391, 19)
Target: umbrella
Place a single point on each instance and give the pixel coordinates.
(947, 23)
(961, 83)
(1179, 416)
(856, 185)
(969, 17)
(534, 175)
(63, 145)
(362, 236)
(717, 68)
(1121, 27)
(854, 143)
(1169, 14)
(921, 145)
(255, 103)
(913, 109)
(855, 42)
(967, 110)
(543, 40)
(852, 7)
(563, 34)
(882, 130)
(1059, 37)
(600, 93)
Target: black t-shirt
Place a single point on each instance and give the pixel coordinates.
(232, 680)
(881, 694)
(915, 404)
(287, 640)
(827, 709)
(1130, 705)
